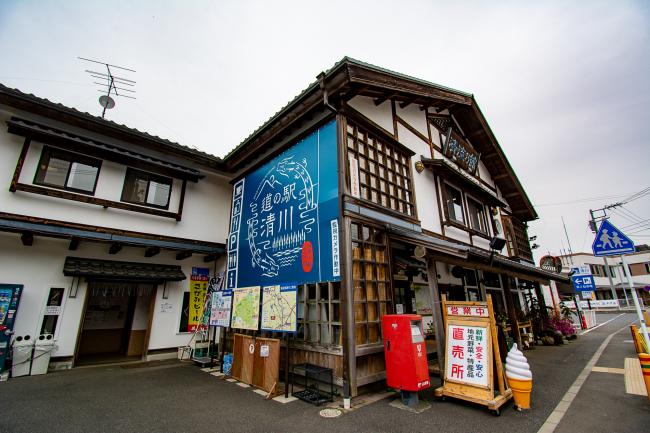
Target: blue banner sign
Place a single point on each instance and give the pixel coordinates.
(583, 283)
(284, 220)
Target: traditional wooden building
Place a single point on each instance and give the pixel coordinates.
(396, 191)
(102, 225)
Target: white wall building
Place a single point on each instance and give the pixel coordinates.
(102, 225)
(609, 277)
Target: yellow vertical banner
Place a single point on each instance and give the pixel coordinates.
(198, 290)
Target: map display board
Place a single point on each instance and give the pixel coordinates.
(246, 308)
(284, 221)
(220, 308)
(279, 305)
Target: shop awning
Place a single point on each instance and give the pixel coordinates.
(121, 271)
(472, 257)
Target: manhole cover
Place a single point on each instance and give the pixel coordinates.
(330, 413)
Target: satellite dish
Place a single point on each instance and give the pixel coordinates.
(106, 102)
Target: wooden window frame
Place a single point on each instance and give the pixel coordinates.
(483, 215)
(390, 184)
(446, 198)
(71, 157)
(330, 302)
(370, 272)
(149, 177)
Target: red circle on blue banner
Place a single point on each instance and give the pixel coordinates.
(307, 257)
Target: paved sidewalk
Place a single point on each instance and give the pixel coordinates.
(182, 398)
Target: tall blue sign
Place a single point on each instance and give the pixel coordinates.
(284, 221)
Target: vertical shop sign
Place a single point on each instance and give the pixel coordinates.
(284, 214)
(198, 290)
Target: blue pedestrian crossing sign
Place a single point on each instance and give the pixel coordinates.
(610, 241)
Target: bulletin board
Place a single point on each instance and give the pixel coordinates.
(472, 355)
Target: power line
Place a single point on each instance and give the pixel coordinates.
(582, 200)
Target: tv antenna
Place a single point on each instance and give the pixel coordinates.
(110, 84)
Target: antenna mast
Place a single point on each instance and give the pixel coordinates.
(111, 83)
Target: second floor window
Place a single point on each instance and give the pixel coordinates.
(384, 173)
(146, 189)
(454, 204)
(476, 213)
(66, 170)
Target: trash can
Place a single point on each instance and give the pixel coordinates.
(43, 349)
(22, 356)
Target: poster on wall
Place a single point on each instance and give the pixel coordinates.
(422, 298)
(279, 308)
(198, 290)
(246, 308)
(220, 307)
(284, 224)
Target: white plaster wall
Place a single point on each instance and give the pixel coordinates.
(414, 117)
(424, 183)
(382, 115)
(206, 211)
(141, 313)
(40, 267)
(458, 234)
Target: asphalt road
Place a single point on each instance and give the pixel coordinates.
(181, 398)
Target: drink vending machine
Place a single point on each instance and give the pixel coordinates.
(406, 355)
(9, 300)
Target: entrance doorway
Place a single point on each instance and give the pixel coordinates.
(115, 322)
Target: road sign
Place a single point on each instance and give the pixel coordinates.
(588, 294)
(583, 283)
(610, 241)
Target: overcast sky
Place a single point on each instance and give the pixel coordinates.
(565, 86)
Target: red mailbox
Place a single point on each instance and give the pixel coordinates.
(405, 352)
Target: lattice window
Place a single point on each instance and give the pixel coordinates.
(319, 313)
(384, 171)
(517, 238)
(372, 296)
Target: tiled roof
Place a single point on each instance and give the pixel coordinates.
(12, 92)
(123, 271)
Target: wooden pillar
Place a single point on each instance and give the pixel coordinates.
(512, 313)
(436, 311)
(347, 283)
(540, 299)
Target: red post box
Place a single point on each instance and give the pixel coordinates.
(405, 352)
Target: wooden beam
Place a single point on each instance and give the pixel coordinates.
(27, 238)
(152, 251)
(210, 258)
(74, 244)
(379, 101)
(183, 255)
(115, 248)
(19, 164)
(83, 198)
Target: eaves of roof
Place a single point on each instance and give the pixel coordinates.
(390, 82)
(29, 102)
